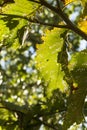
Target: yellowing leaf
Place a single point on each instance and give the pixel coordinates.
(47, 61)
(83, 26)
(67, 1)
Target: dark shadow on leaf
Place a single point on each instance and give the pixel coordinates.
(10, 21)
(57, 101)
(20, 33)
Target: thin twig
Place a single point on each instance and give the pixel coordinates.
(59, 11)
(35, 21)
(58, 4)
(35, 1)
(50, 24)
(3, 107)
(46, 124)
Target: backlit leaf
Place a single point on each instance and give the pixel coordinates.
(11, 26)
(20, 7)
(47, 62)
(83, 25)
(67, 1)
(9, 31)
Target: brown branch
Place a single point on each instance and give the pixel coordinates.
(70, 25)
(36, 21)
(35, 1)
(58, 4)
(57, 10)
(3, 107)
(50, 24)
(46, 124)
(6, 2)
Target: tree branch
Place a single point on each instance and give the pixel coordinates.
(58, 10)
(70, 25)
(58, 4)
(35, 1)
(46, 124)
(50, 24)
(36, 21)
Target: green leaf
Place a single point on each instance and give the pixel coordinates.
(11, 23)
(6, 118)
(20, 7)
(78, 71)
(78, 67)
(4, 31)
(10, 30)
(47, 61)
